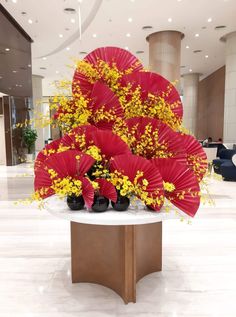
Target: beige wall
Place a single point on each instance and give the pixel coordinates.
(210, 121)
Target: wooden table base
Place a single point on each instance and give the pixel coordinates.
(115, 256)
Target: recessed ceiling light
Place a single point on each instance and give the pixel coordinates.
(7, 49)
(197, 35)
(14, 71)
(179, 0)
(130, 19)
(1, 77)
(72, 20)
(70, 10)
(187, 46)
(126, 48)
(209, 20)
(44, 58)
(147, 27)
(206, 56)
(57, 72)
(128, 35)
(68, 48)
(14, 1)
(170, 20)
(94, 35)
(132, 0)
(61, 36)
(190, 70)
(29, 65)
(30, 21)
(80, 1)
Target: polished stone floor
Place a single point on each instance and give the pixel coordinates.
(199, 262)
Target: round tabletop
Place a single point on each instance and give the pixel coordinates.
(136, 214)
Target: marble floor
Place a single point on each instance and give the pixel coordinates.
(199, 262)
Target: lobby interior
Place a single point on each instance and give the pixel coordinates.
(190, 43)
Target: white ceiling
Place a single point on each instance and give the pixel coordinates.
(111, 25)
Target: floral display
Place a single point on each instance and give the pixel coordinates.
(122, 140)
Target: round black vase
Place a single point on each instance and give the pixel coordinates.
(122, 203)
(100, 204)
(75, 202)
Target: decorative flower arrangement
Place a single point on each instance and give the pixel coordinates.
(122, 139)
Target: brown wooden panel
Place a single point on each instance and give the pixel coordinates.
(148, 249)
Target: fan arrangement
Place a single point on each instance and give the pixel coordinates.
(121, 139)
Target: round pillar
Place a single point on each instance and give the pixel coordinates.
(164, 54)
(190, 101)
(230, 88)
(37, 102)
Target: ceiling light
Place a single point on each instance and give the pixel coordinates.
(30, 21)
(14, 1)
(179, 0)
(68, 48)
(29, 65)
(197, 35)
(170, 20)
(128, 35)
(57, 71)
(94, 35)
(1, 77)
(190, 70)
(130, 19)
(132, 0)
(72, 20)
(80, 1)
(44, 58)
(14, 71)
(61, 36)
(126, 48)
(206, 56)
(209, 20)
(7, 49)
(187, 46)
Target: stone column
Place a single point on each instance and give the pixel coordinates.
(190, 101)
(38, 108)
(230, 89)
(164, 54)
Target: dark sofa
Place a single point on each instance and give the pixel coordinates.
(224, 165)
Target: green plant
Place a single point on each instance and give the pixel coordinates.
(29, 137)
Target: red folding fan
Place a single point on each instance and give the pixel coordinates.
(47, 151)
(130, 165)
(122, 59)
(109, 143)
(152, 83)
(72, 139)
(106, 189)
(185, 188)
(87, 191)
(105, 106)
(161, 141)
(196, 156)
(64, 164)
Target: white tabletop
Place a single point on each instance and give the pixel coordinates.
(135, 215)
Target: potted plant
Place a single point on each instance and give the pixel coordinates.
(29, 138)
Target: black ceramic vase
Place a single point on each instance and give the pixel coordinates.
(122, 203)
(75, 202)
(100, 204)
